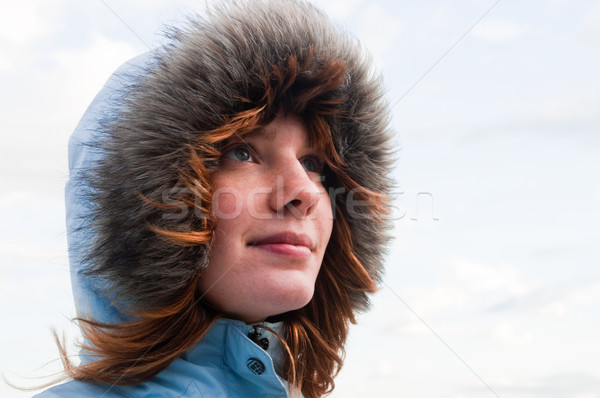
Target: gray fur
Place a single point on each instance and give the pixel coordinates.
(189, 84)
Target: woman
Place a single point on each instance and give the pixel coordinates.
(226, 209)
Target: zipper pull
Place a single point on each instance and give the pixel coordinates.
(262, 342)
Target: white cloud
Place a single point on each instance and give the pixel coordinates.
(339, 9)
(22, 25)
(499, 31)
(572, 105)
(507, 333)
(13, 198)
(467, 283)
(588, 294)
(481, 277)
(380, 31)
(569, 298)
(463, 288)
(590, 28)
(386, 367)
(556, 4)
(554, 308)
(27, 251)
(22, 22)
(559, 385)
(556, 300)
(85, 71)
(43, 102)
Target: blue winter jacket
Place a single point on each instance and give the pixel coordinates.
(225, 363)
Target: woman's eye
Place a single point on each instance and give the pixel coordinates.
(312, 164)
(240, 153)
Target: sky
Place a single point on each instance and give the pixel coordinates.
(492, 284)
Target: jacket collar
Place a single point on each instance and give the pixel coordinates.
(227, 344)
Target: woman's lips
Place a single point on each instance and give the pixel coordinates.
(285, 249)
(285, 243)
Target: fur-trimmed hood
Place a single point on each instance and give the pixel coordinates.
(131, 149)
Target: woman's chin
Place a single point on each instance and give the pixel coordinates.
(292, 297)
(276, 303)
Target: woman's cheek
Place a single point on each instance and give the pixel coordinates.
(228, 203)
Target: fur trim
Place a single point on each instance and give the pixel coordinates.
(212, 69)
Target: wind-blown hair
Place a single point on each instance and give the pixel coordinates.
(221, 77)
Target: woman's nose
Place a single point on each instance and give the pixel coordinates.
(296, 193)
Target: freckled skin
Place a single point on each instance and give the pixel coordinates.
(270, 187)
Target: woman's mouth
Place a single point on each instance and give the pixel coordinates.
(284, 243)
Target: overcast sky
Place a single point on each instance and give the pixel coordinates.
(493, 281)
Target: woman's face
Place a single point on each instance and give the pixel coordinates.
(274, 220)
